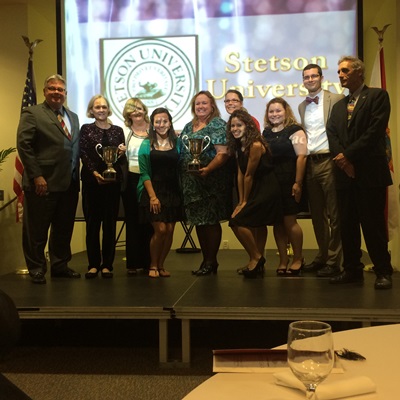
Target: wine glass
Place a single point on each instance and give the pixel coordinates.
(310, 353)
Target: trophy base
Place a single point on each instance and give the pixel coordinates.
(193, 169)
(109, 176)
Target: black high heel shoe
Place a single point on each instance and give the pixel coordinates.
(206, 269)
(282, 271)
(296, 272)
(194, 272)
(241, 269)
(257, 270)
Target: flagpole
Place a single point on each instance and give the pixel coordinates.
(28, 99)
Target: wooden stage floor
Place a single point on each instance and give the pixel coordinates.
(225, 296)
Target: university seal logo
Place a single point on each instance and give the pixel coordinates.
(159, 71)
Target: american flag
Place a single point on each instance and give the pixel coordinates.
(28, 99)
(29, 95)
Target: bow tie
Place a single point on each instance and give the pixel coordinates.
(312, 99)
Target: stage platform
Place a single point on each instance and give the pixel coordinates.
(184, 297)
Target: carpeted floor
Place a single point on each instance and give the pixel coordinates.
(110, 360)
(118, 359)
(8, 391)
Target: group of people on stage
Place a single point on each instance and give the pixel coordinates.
(332, 163)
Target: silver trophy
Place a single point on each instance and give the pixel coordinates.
(195, 148)
(109, 156)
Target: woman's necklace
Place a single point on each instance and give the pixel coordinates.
(277, 130)
(163, 143)
(140, 131)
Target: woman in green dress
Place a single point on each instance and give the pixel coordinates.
(207, 193)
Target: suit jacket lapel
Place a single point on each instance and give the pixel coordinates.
(302, 111)
(327, 106)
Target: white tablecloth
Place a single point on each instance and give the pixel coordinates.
(380, 345)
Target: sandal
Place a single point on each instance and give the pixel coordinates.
(163, 273)
(296, 271)
(282, 271)
(153, 272)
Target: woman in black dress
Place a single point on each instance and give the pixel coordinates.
(288, 144)
(158, 189)
(259, 192)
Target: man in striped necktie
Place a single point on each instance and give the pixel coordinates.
(64, 126)
(49, 150)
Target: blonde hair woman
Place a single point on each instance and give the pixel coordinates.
(137, 235)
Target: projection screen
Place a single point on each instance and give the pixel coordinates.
(164, 51)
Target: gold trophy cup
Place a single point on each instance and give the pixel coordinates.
(109, 156)
(195, 148)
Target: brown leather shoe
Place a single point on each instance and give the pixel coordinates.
(383, 282)
(356, 277)
(313, 267)
(38, 277)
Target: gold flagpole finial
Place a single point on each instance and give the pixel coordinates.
(31, 45)
(381, 32)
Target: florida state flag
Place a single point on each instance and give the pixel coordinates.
(378, 79)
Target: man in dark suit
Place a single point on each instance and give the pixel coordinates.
(314, 113)
(356, 132)
(48, 145)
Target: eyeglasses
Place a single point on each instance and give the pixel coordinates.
(232, 101)
(309, 77)
(56, 89)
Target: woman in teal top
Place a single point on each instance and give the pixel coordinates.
(159, 193)
(207, 194)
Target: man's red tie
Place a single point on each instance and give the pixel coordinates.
(312, 99)
(64, 126)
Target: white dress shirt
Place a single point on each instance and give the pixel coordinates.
(317, 139)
